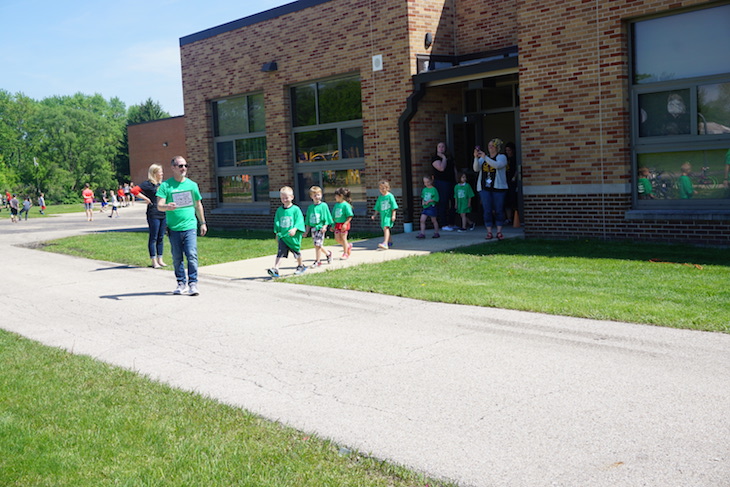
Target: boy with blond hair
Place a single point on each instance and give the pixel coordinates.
(289, 228)
(318, 218)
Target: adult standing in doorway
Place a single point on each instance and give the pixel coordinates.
(180, 198)
(444, 179)
(88, 196)
(492, 184)
(156, 220)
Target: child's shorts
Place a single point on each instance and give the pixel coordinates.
(284, 251)
(430, 211)
(317, 237)
(342, 227)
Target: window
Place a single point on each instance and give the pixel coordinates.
(240, 149)
(328, 136)
(681, 109)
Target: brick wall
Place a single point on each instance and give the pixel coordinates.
(574, 115)
(485, 25)
(330, 39)
(155, 142)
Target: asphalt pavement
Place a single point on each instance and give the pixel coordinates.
(480, 396)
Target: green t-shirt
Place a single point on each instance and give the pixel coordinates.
(686, 190)
(318, 216)
(342, 211)
(284, 220)
(463, 194)
(644, 187)
(429, 196)
(385, 204)
(186, 194)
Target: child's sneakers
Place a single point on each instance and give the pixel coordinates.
(435, 235)
(382, 246)
(349, 249)
(420, 235)
(329, 257)
(273, 272)
(300, 270)
(316, 263)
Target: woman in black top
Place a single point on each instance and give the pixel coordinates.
(444, 178)
(155, 218)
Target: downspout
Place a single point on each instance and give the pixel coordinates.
(404, 131)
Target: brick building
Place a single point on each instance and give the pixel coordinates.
(347, 92)
(155, 142)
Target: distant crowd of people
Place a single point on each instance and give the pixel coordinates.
(20, 210)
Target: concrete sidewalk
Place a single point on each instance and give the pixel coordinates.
(363, 252)
(484, 397)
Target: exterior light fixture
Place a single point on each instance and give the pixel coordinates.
(428, 41)
(269, 67)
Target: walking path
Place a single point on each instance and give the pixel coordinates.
(484, 397)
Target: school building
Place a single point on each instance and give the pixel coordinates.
(348, 92)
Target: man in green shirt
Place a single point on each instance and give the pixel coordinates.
(179, 197)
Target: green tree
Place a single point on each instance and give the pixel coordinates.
(77, 139)
(17, 113)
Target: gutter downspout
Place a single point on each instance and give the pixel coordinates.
(406, 163)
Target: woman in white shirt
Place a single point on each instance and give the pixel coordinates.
(492, 184)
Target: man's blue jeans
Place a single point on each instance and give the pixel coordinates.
(185, 242)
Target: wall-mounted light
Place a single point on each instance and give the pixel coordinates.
(428, 41)
(269, 67)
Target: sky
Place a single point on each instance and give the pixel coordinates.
(129, 50)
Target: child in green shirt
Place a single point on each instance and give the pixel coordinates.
(429, 198)
(645, 189)
(686, 190)
(463, 195)
(318, 219)
(385, 205)
(342, 215)
(289, 228)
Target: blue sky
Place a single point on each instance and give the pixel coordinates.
(128, 49)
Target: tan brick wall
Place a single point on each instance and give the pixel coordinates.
(574, 89)
(331, 39)
(485, 25)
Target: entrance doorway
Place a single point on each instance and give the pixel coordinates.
(464, 132)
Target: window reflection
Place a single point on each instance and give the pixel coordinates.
(664, 113)
(683, 175)
(243, 188)
(329, 181)
(713, 102)
(682, 46)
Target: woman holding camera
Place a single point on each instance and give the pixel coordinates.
(492, 184)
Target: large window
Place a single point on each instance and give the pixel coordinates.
(240, 149)
(681, 109)
(328, 136)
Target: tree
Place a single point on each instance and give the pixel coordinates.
(76, 141)
(16, 115)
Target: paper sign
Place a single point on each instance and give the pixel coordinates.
(183, 199)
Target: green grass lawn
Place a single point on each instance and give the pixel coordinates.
(69, 420)
(667, 285)
(215, 248)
